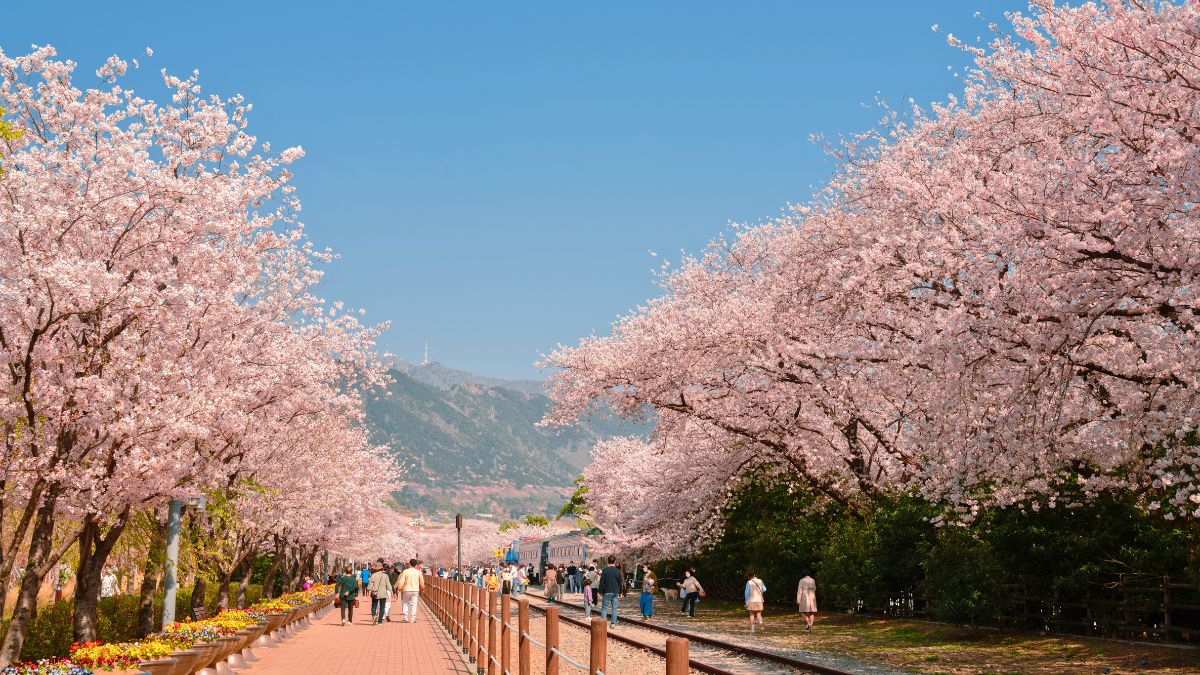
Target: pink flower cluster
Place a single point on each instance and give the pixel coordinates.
(994, 302)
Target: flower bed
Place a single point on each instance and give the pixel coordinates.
(119, 655)
(46, 667)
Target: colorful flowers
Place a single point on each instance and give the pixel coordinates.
(46, 667)
(119, 655)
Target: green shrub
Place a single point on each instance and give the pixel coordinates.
(963, 580)
(52, 631)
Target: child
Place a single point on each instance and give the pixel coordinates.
(587, 595)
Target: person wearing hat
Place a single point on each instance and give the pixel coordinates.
(380, 588)
(411, 584)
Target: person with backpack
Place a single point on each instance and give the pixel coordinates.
(755, 594)
(347, 594)
(380, 588)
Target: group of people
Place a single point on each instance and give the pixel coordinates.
(602, 591)
(382, 582)
(508, 579)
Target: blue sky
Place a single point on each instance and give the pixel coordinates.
(495, 174)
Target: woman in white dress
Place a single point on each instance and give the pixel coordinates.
(806, 599)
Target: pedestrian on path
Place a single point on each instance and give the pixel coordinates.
(522, 580)
(572, 580)
(755, 593)
(365, 575)
(563, 580)
(550, 584)
(806, 599)
(649, 589)
(380, 588)
(611, 588)
(691, 590)
(393, 572)
(347, 594)
(411, 584)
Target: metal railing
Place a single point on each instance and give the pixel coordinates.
(470, 616)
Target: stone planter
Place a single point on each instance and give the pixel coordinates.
(185, 661)
(159, 667)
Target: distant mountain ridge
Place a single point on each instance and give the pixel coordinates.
(473, 441)
(444, 377)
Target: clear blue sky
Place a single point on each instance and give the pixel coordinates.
(495, 173)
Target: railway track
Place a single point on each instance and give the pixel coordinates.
(715, 656)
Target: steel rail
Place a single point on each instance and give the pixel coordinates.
(698, 639)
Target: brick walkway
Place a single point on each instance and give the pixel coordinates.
(397, 648)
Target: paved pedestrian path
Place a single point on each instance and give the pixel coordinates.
(396, 648)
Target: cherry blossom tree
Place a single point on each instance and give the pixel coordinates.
(992, 301)
(157, 324)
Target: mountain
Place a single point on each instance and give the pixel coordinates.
(472, 442)
(446, 378)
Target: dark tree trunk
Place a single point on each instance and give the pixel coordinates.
(247, 567)
(197, 595)
(155, 561)
(41, 558)
(94, 549)
(269, 580)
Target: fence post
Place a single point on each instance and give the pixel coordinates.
(599, 651)
(491, 638)
(523, 663)
(677, 656)
(505, 632)
(454, 618)
(481, 633)
(551, 640)
(463, 613)
(1166, 592)
(472, 621)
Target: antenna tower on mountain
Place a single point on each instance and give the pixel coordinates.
(426, 361)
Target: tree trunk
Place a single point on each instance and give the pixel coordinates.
(269, 580)
(41, 558)
(155, 561)
(197, 595)
(223, 591)
(247, 568)
(94, 549)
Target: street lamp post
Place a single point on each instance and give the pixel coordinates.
(458, 526)
(171, 579)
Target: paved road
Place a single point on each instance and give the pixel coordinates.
(397, 648)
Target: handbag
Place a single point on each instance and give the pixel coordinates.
(337, 602)
(356, 602)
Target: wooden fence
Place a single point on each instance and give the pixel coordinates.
(480, 621)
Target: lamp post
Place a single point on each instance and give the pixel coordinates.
(171, 579)
(458, 526)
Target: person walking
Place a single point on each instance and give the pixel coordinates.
(492, 581)
(380, 588)
(521, 581)
(611, 588)
(649, 589)
(694, 592)
(393, 572)
(365, 576)
(506, 581)
(550, 584)
(755, 593)
(806, 599)
(347, 594)
(411, 584)
(563, 580)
